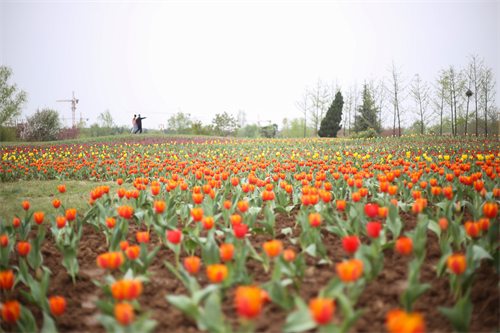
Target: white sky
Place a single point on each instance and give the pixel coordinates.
(210, 57)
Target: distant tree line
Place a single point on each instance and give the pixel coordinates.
(460, 100)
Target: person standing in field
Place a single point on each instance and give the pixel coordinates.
(134, 125)
(138, 120)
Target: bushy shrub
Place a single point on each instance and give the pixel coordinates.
(7, 134)
(369, 133)
(44, 125)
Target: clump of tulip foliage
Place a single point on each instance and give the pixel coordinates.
(190, 192)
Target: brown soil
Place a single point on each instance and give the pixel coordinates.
(379, 297)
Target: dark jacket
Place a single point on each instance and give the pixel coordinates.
(139, 121)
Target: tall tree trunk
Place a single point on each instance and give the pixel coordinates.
(486, 113)
(451, 105)
(455, 104)
(467, 114)
(421, 120)
(442, 109)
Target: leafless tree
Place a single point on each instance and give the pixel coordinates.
(419, 92)
(476, 65)
(303, 106)
(488, 92)
(320, 98)
(396, 88)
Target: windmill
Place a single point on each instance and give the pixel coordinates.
(73, 101)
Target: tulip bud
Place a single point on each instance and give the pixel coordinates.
(443, 223)
(322, 310)
(57, 305)
(226, 252)
(350, 271)
(142, 237)
(248, 301)
(315, 219)
(457, 263)
(273, 248)
(23, 248)
(217, 273)
(404, 245)
(16, 222)
(289, 255)
(132, 252)
(240, 230)
(373, 229)
(38, 216)
(350, 243)
(4, 240)
(192, 265)
(124, 313)
(56, 203)
(11, 311)
(6, 280)
(174, 236)
(26, 205)
(399, 321)
(61, 188)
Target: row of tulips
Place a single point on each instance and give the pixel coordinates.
(347, 207)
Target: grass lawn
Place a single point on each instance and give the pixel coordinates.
(41, 193)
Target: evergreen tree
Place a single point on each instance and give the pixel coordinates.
(367, 114)
(330, 125)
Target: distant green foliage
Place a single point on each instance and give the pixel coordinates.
(180, 123)
(369, 133)
(367, 114)
(330, 125)
(197, 128)
(249, 131)
(269, 131)
(12, 101)
(225, 124)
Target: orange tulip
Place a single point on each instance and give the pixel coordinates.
(61, 188)
(356, 197)
(217, 273)
(399, 321)
(443, 223)
(61, 222)
(4, 240)
(404, 245)
(248, 301)
(160, 206)
(111, 260)
(124, 245)
(289, 255)
(235, 181)
(11, 311)
(119, 181)
(457, 263)
(436, 190)
(56, 203)
(6, 280)
(23, 248)
(155, 190)
(235, 219)
(192, 265)
(490, 210)
(110, 222)
(315, 219)
(227, 204)
(322, 310)
(57, 305)
(373, 229)
(132, 252)
(125, 212)
(124, 313)
(243, 206)
(16, 222)
(197, 198)
(197, 214)
(70, 214)
(484, 224)
(142, 237)
(226, 252)
(472, 229)
(126, 290)
(26, 205)
(38, 216)
(350, 271)
(121, 192)
(273, 248)
(341, 204)
(383, 211)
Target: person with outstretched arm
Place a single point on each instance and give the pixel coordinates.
(139, 123)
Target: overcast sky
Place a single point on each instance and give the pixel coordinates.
(208, 57)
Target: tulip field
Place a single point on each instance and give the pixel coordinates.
(236, 235)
